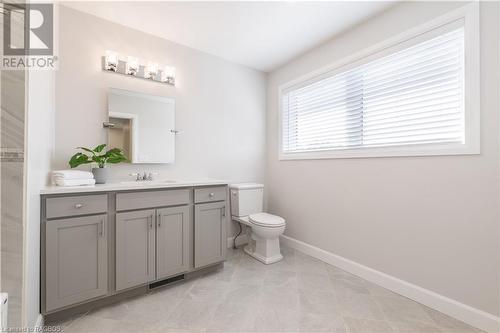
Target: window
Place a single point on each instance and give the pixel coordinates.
(413, 97)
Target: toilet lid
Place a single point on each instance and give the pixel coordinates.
(267, 220)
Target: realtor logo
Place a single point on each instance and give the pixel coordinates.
(28, 36)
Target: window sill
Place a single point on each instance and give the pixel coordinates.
(399, 151)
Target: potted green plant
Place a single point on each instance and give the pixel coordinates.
(100, 157)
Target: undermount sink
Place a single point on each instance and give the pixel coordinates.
(147, 182)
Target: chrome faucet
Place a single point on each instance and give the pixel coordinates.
(143, 177)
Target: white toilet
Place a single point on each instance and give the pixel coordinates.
(246, 207)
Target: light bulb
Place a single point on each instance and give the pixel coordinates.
(152, 70)
(168, 75)
(132, 66)
(111, 61)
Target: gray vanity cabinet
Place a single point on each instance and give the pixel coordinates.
(75, 260)
(172, 241)
(135, 248)
(96, 246)
(210, 233)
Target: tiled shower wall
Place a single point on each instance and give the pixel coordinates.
(11, 197)
(12, 140)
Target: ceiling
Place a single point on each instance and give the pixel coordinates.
(260, 35)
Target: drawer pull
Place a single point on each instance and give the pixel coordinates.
(209, 194)
(78, 205)
(102, 229)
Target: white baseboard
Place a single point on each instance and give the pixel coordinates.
(39, 323)
(242, 239)
(472, 316)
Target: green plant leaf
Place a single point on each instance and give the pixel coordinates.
(114, 151)
(116, 159)
(99, 148)
(78, 159)
(114, 155)
(86, 149)
(100, 160)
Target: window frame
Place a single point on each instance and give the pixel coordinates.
(470, 16)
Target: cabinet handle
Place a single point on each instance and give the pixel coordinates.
(223, 211)
(78, 205)
(151, 222)
(211, 194)
(103, 227)
(159, 220)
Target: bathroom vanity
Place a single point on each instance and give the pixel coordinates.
(103, 240)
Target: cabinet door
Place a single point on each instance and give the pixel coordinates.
(76, 260)
(172, 241)
(209, 233)
(135, 248)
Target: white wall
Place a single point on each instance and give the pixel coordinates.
(431, 221)
(220, 106)
(39, 154)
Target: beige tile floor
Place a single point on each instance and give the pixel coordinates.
(298, 294)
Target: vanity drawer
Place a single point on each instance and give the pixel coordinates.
(150, 199)
(209, 194)
(76, 205)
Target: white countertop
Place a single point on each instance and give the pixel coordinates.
(130, 185)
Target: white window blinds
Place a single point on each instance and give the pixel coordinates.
(412, 96)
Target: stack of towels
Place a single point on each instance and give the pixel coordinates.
(73, 178)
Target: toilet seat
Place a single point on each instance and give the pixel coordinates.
(266, 220)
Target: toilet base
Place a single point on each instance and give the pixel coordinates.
(261, 258)
(266, 251)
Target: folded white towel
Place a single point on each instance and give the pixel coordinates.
(74, 182)
(72, 174)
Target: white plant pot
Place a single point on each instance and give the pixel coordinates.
(100, 175)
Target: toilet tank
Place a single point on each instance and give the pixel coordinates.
(246, 198)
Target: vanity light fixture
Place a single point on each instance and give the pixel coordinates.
(132, 66)
(168, 75)
(151, 71)
(112, 62)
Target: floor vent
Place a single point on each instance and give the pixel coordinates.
(166, 281)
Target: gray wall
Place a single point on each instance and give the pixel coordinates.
(432, 221)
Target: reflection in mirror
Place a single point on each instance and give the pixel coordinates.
(119, 135)
(142, 125)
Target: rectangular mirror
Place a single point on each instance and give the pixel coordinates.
(142, 125)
